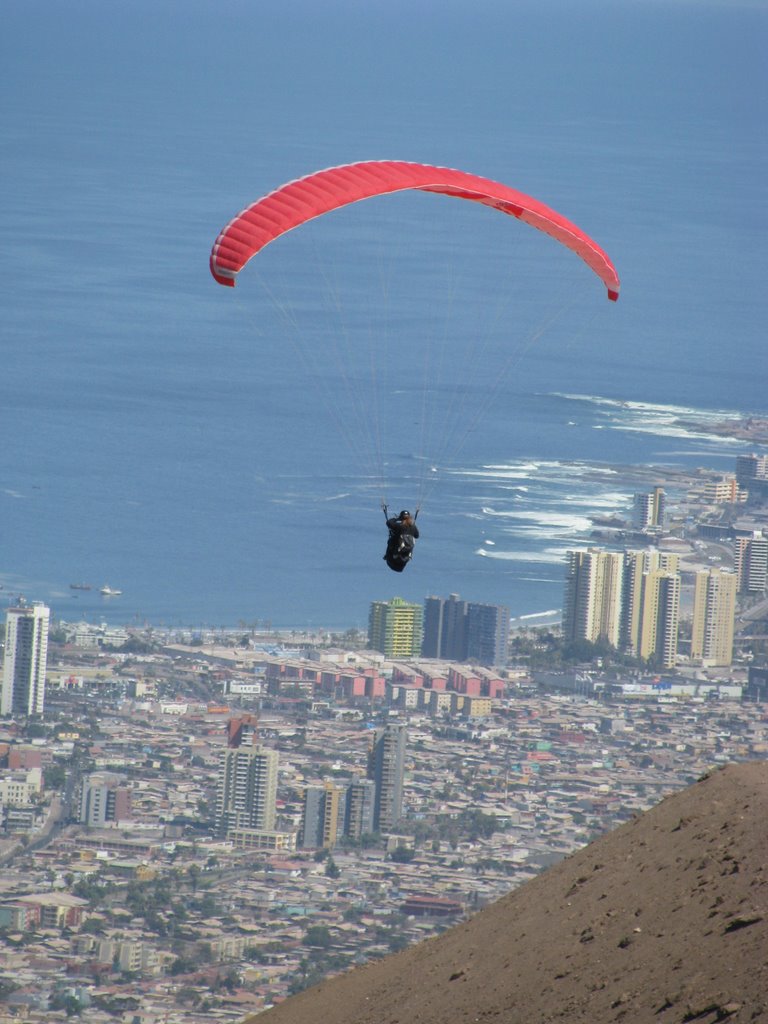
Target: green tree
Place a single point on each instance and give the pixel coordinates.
(402, 855)
(204, 952)
(92, 926)
(317, 935)
(54, 776)
(66, 1001)
(7, 986)
(183, 965)
(231, 980)
(35, 731)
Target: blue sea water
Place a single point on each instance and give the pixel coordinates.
(198, 448)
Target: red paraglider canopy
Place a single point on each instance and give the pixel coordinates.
(302, 200)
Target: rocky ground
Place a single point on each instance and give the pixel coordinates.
(664, 920)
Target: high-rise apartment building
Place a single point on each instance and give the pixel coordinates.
(26, 657)
(103, 798)
(386, 767)
(751, 563)
(456, 630)
(638, 601)
(396, 628)
(660, 618)
(592, 603)
(714, 608)
(650, 509)
(629, 599)
(358, 809)
(246, 794)
(323, 818)
(751, 467)
(445, 628)
(487, 633)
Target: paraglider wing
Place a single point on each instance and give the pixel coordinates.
(302, 200)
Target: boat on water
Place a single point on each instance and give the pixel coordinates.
(110, 592)
(79, 586)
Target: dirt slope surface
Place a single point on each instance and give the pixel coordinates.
(664, 920)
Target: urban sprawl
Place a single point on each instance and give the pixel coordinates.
(195, 825)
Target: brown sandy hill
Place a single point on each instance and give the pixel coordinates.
(664, 920)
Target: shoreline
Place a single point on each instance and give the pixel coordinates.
(574, 526)
(753, 429)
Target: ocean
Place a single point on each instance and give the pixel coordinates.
(200, 449)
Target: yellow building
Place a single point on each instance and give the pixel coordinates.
(396, 628)
(724, 491)
(593, 591)
(714, 609)
(651, 607)
(255, 839)
(323, 816)
(660, 618)
(472, 707)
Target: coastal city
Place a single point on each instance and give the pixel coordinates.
(196, 824)
(273, 748)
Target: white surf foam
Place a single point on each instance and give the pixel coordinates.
(549, 556)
